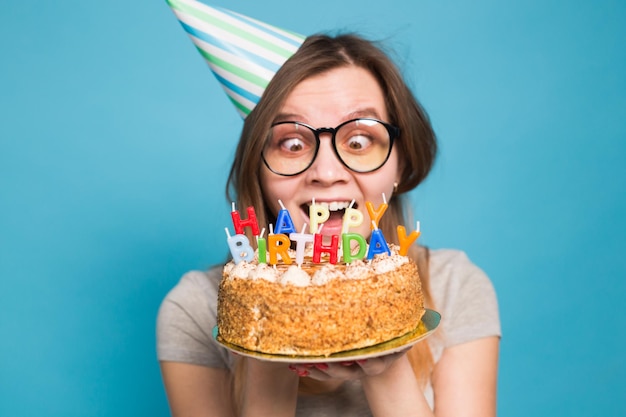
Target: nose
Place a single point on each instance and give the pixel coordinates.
(327, 169)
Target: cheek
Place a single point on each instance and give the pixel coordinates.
(276, 188)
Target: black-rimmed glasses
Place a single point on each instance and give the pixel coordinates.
(362, 145)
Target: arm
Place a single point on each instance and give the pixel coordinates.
(270, 389)
(197, 391)
(396, 392)
(465, 379)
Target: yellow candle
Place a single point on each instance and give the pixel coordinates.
(351, 218)
(375, 214)
(406, 241)
(278, 245)
(318, 214)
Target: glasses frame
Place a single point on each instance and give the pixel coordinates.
(392, 130)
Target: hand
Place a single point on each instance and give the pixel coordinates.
(348, 370)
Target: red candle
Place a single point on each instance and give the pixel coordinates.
(319, 247)
(240, 223)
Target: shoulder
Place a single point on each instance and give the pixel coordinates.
(195, 285)
(195, 295)
(186, 319)
(464, 295)
(452, 269)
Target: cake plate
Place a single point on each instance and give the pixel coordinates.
(430, 321)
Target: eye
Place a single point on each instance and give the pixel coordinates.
(358, 142)
(292, 145)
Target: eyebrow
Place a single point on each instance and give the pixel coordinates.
(364, 112)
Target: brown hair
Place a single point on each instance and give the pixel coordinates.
(416, 145)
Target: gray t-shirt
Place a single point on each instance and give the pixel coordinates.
(461, 292)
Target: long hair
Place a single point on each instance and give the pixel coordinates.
(416, 145)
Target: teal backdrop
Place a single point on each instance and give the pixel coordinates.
(115, 142)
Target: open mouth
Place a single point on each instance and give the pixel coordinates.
(336, 209)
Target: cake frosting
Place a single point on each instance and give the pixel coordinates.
(318, 309)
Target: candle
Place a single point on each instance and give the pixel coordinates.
(376, 214)
(284, 224)
(406, 241)
(318, 214)
(346, 240)
(240, 248)
(351, 218)
(261, 247)
(301, 240)
(378, 244)
(278, 245)
(239, 224)
(319, 248)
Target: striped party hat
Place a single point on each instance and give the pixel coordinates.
(243, 53)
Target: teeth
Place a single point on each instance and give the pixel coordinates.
(334, 205)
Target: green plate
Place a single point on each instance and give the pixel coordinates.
(425, 328)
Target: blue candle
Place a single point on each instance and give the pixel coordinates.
(377, 244)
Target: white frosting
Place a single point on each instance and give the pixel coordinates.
(295, 276)
(264, 271)
(382, 263)
(358, 270)
(326, 272)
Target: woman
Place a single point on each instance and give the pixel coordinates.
(334, 82)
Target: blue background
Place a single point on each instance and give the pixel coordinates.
(115, 141)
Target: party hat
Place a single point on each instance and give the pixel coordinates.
(243, 53)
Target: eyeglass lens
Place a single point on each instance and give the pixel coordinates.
(363, 145)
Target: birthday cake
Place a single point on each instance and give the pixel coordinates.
(319, 308)
(308, 294)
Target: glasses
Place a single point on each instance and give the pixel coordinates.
(362, 145)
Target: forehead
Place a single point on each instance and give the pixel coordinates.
(335, 96)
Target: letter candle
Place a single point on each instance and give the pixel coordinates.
(319, 247)
(301, 240)
(240, 248)
(346, 238)
(278, 245)
(284, 224)
(406, 241)
(376, 214)
(318, 214)
(378, 244)
(351, 218)
(262, 247)
(250, 221)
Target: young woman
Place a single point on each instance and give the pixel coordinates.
(329, 86)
